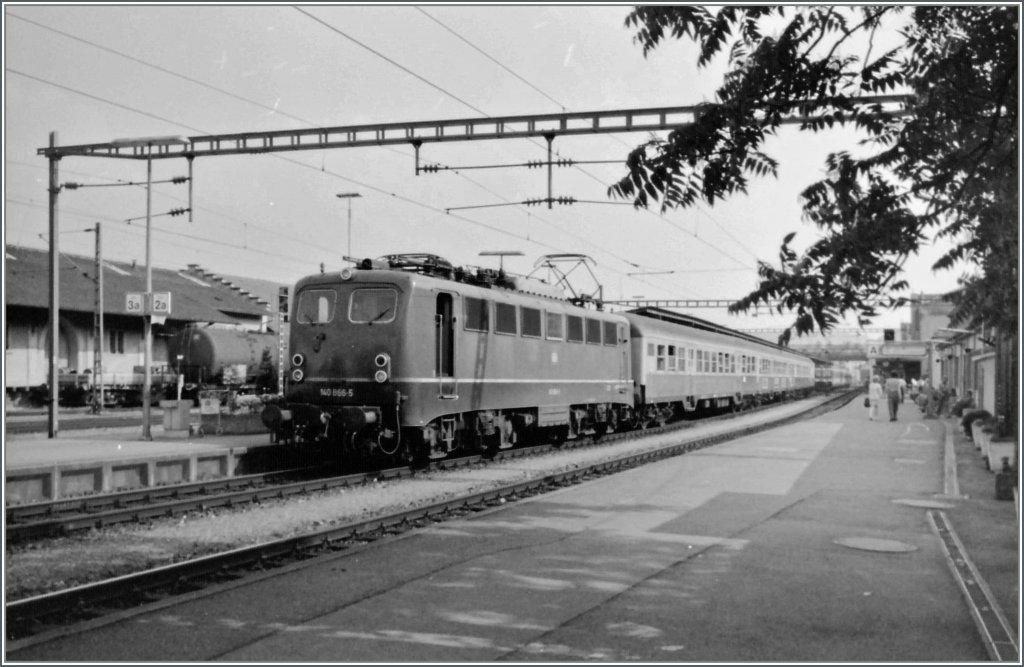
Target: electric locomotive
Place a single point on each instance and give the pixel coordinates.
(409, 357)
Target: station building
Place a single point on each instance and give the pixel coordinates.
(197, 296)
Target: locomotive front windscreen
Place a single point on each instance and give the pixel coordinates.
(372, 305)
(316, 306)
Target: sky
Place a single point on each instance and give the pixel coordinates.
(95, 73)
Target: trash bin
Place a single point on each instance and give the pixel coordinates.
(176, 414)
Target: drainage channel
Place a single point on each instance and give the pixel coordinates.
(996, 633)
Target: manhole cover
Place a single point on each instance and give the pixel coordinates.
(875, 544)
(927, 504)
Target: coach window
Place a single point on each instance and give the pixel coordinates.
(593, 331)
(476, 312)
(529, 322)
(681, 363)
(714, 361)
(661, 358)
(611, 336)
(505, 319)
(555, 325)
(671, 358)
(574, 329)
(316, 306)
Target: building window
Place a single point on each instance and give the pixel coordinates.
(116, 339)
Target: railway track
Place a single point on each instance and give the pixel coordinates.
(63, 517)
(42, 615)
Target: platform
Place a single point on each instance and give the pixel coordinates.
(81, 462)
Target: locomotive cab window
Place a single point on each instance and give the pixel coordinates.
(372, 306)
(554, 325)
(316, 306)
(530, 322)
(611, 334)
(574, 330)
(505, 318)
(476, 314)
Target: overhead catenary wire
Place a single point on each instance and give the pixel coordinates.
(148, 114)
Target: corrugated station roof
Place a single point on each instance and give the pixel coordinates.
(195, 295)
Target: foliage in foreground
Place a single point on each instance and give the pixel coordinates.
(945, 169)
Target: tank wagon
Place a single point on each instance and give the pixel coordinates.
(407, 356)
(207, 355)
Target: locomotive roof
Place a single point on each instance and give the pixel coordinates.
(432, 266)
(704, 325)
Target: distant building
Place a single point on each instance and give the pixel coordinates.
(197, 296)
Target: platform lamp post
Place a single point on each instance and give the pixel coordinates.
(147, 317)
(349, 196)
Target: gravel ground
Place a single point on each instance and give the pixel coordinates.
(59, 563)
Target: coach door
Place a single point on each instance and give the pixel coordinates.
(444, 347)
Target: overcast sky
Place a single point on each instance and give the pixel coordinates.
(97, 73)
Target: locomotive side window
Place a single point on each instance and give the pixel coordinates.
(530, 322)
(574, 331)
(316, 306)
(594, 331)
(555, 325)
(476, 314)
(505, 319)
(371, 306)
(611, 336)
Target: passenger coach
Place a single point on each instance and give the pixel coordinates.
(683, 364)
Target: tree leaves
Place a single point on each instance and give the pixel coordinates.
(948, 169)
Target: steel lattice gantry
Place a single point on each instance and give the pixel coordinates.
(419, 132)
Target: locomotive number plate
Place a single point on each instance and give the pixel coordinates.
(337, 392)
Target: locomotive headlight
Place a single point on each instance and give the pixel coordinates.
(381, 376)
(298, 359)
(382, 360)
(297, 375)
(347, 273)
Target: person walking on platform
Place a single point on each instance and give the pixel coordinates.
(874, 397)
(894, 392)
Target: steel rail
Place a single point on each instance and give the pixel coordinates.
(61, 517)
(29, 616)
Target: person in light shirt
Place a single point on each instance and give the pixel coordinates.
(874, 397)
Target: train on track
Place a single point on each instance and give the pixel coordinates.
(203, 357)
(409, 357)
